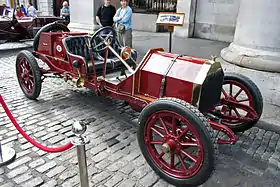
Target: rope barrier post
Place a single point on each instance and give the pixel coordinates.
(79, 128)
(7, 154)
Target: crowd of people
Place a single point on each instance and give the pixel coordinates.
(120, 19)
(21, 11)
(31, 11)
(107, 15)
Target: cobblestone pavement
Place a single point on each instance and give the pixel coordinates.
(114, 158)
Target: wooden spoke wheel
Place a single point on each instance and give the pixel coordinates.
(240, 89)
(28, 74)
(177, 142)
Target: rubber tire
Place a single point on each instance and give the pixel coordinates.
(36, 71)
(48, 28)
(256, 95)
(202, 126)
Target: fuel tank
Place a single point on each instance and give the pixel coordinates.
(195, 80)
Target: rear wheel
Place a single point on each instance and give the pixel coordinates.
(177, 142)
(240, 89)
(28, 74)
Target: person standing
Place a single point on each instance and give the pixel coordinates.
(19, 13)
(31, 11)
(105, 14)
(23, 10)
(123, 20)
(65, 11)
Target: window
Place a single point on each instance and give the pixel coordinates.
(153, 6)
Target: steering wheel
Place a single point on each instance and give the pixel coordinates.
(103, 34)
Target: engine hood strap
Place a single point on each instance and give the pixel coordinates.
(163, 80)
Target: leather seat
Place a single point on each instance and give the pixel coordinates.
(77, 45)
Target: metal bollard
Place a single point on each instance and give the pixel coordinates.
(7, 154)
(79, 128)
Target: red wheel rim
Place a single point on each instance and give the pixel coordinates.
(232, 111)
(176, 141)
(26, 75)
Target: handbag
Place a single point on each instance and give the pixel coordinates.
(120, 28)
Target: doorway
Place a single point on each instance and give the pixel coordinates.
(57, 5)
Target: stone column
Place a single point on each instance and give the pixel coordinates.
(187, 7)
(82, 15)
(256, 43)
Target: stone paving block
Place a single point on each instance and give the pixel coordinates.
(127, 183)
(52, 124)
(53, 155)
(23, 153)
(100, 177)
(26, 146)
(33, 182)
(19, 162)
(5, 141)
(65, 129)
(11, 133)
(71, 182)
(161, 183)
(133, 155)
(49, 135)
(55, 139)
(115, 166)
(40, 134)
(54, 128)
(140, 172)
(36, 163)
(51, 183)
(103, 164)
(149, 180)
(41, 152)
(23, 178)
(17, 171)
(55, 171)
(8, 184)
(4, 131)
(98, 148)
(92, 170)
(46, 166)
(100, 156)
(139, 161)
(68, 174)
(117, 178)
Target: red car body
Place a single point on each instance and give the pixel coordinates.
(174, 93)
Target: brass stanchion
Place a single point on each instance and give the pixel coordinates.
(79, 128)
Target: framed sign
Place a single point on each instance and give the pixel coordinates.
(171, 19)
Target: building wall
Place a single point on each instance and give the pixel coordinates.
(3, 2)
(216, 19)
(45, 7)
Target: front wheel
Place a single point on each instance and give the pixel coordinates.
(28, 74)
(177, 142)
(240, 89)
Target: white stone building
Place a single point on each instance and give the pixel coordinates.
(252, 26)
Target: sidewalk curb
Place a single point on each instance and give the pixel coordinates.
(268, 125)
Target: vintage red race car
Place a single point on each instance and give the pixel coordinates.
(182, 99)
(15, 29)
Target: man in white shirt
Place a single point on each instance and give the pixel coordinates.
(31, 11)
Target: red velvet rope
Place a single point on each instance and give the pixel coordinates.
(32, 141)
